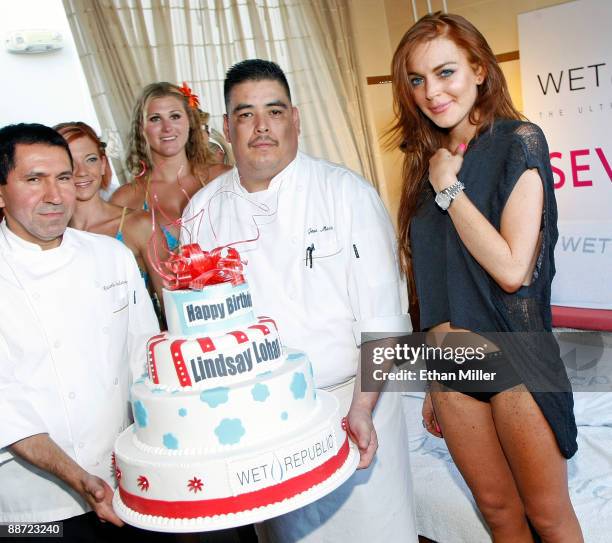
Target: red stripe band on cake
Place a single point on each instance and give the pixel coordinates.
(243, 502)
(179, 363)
(261, 327)
(152, 363)
(206, 344)
(241, 337)
(268, 320)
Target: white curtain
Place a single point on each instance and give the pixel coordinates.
(126, 44)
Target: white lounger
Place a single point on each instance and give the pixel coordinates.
(445, 509)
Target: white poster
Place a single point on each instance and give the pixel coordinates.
(566, 72)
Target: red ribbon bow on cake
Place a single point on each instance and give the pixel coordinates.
(194, 269)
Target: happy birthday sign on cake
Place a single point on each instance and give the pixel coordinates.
(229, 428)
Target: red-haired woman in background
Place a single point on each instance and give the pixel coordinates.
(477, 226)
(93, 214)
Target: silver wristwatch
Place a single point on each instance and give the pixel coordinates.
(445, 197)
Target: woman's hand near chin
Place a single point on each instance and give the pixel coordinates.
(444, 167)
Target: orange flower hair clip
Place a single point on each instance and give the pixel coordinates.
(192, 98)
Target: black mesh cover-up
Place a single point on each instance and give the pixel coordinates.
(452, 286)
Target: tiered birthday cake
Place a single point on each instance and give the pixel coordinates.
(229, 428)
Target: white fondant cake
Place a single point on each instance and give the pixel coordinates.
(229, 428)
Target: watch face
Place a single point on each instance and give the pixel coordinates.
(443, 200)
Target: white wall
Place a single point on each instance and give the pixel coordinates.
(47, 88)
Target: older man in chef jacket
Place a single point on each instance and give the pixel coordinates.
(322, 261)
(73, 319)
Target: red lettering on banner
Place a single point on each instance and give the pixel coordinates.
(604, 162)
(579, 168)
(559, 172)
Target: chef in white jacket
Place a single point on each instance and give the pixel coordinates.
(322, 261)
(74, 317)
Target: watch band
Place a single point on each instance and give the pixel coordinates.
(445, 197)
(454, 190)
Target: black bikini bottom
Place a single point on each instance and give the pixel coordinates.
(479, 379)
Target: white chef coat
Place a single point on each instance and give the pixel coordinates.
(73, 322)
(324, 265)
(351, 284)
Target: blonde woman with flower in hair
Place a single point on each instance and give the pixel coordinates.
(92, 213)
(477, 230)
(168, 156)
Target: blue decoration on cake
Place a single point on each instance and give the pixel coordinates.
(140, 414)
(264, 373)
(158, 391)
(294, 356)
(284, 415)
(230, 431)
(260, 392)
(215, 396)
(182, 412)
(298, 385)
(170, 441)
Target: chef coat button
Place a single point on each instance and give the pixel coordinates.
(293, 239)
(81, 444)
(116, 381)
(105, 329)
(36, 296)
(57, 344)
(72, 395)
(291, 296)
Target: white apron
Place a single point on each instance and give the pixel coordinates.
(375, 504)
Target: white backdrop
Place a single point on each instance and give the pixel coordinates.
(566, 73)
(47, 88)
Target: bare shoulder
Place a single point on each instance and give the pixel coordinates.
(130, 195)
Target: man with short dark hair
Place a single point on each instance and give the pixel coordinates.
(322, 261)
(73, 320)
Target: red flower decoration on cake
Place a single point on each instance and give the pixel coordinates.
(113, 460)
(143, 483)
(192, 98)
(193, 268)
(117, 473)
(195, 485)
